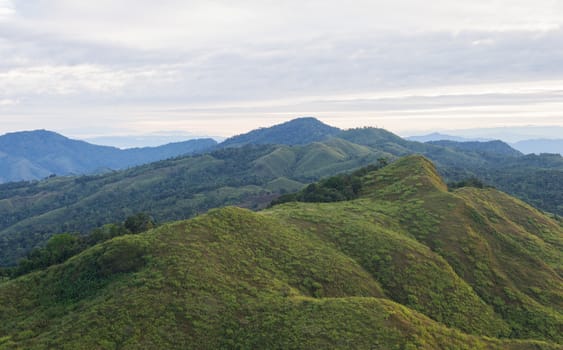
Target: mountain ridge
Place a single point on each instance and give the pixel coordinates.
(436, 136)
(494, 146)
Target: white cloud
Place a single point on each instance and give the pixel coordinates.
(198, 23)
(72, 80)
(6, 9)
(8, 102)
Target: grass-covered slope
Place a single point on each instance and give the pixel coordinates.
(406, 265)
(508, 253)
(228, 279)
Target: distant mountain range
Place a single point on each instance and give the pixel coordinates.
(536, 146)
(436, 136)
(33, 155)
(146, 140)
(510, 134)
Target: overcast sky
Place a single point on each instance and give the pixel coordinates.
(106, 67)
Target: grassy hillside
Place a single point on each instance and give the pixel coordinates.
(407, 265)
(509, 254)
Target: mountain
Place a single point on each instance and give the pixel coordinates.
(169, 190)
(436, 136)
(249, 176)
(146, 140)
(405, 265)
(32, 155)
(536, 146)
(492, 147)
(537, 179)
(385, 140)
(512, 134)
(298, 131)
(539, 146)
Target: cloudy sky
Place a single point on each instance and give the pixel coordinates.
(105, 67)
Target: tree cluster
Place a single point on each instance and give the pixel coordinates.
(61, 247)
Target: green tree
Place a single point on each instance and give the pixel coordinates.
(139, 222)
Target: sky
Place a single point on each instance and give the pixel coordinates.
(108, 68)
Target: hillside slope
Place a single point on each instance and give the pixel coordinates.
(508, 252)
(406, 265)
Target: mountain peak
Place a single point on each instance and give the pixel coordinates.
(39, 133)
(36, 141)
(297, 131)
(412, 173)
(408, 176)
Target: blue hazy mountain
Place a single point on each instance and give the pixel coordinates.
(539, 146)
(436, 136)
(147, 140)
(31, 155)
(509, 134)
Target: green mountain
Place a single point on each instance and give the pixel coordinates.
(169, 190)
(493, 147)
(537, 179)
(298, 131)
(33, 155)
(405, 265)
(249, 176)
